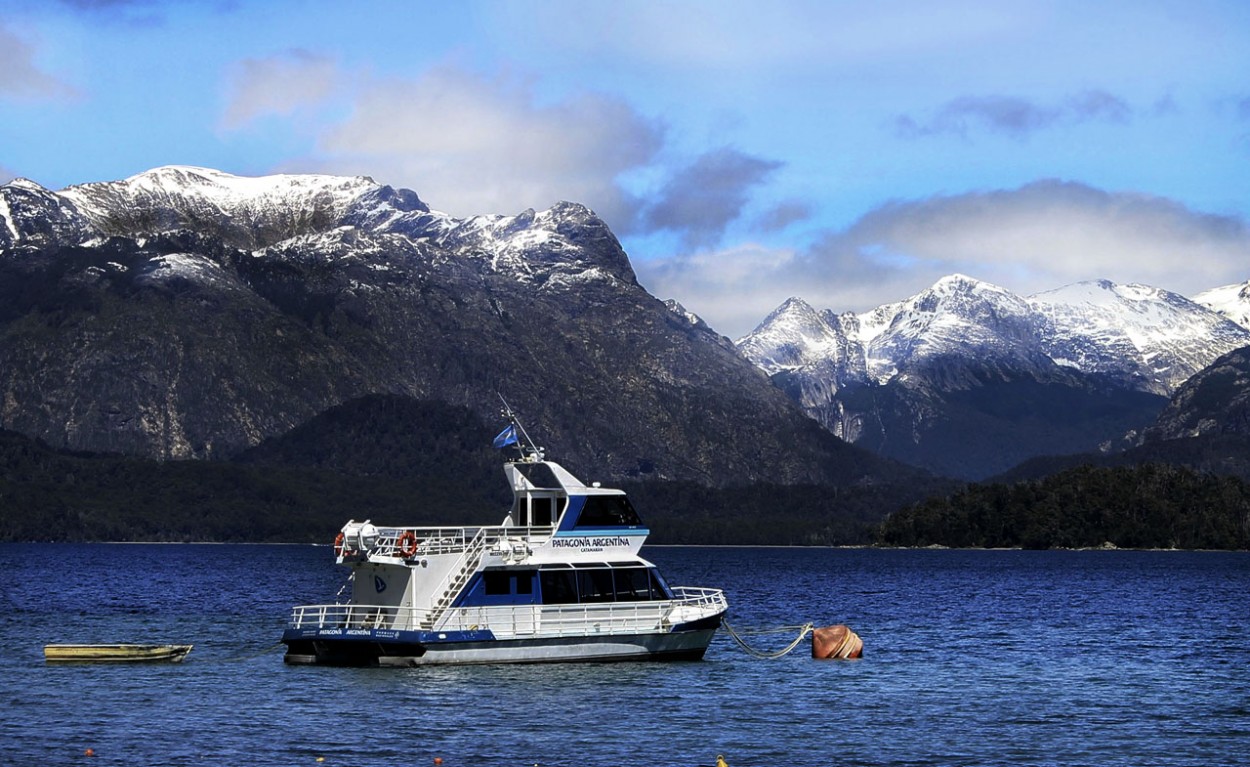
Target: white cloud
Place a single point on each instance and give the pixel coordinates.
(1049, 233)
(471, 144)
(731, 289)
(279, 85)
(22, 79)
(1037, 237)
(739, 36)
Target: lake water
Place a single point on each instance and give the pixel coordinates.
(971, 658)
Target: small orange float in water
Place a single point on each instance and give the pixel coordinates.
(836, 642)
(89, 752)
(438, 760)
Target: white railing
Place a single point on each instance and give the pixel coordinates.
(700, 597)
(354, 617)
(510, 621)
(412, 542)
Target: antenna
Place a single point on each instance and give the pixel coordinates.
(526, 446)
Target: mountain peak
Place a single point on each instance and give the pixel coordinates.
(1231, 301)
(795, 335)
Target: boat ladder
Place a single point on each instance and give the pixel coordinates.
(457, 578)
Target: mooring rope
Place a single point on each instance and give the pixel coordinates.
(804, 630)
(245, 655)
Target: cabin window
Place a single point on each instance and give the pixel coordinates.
(498, 583)
(559, 587)
(542, 512)
(659, 589)
(607, 511)
(632, 585)
(595, 585)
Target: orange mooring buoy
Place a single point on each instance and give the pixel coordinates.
(836, 642)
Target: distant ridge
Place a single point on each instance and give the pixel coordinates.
(188, 313)
(968, 379)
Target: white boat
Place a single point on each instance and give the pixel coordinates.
(560, 579)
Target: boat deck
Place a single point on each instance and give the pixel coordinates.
(529, 621)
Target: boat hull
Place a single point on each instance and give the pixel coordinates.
(114, 653)
(421, 648)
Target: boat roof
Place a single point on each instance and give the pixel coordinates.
(536, 475)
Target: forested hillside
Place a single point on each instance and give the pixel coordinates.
(1148, 506)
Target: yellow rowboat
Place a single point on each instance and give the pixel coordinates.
(113, 653)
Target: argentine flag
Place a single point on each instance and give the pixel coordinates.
(506, 437)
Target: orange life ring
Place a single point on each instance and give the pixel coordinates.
(340, 546)
(408, 543)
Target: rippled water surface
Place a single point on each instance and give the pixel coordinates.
(971, 658)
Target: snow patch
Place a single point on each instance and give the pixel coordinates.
(7, 215)
(187, 266)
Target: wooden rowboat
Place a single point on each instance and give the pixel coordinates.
(114, 653)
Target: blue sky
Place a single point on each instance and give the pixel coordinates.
(847, 152)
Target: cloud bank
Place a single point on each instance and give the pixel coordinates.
(471, 144)
(279, 86)
(1040, 236)
(21, 79)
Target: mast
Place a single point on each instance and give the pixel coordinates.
(514, 434)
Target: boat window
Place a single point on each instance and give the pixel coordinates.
(632, 585)
(607, 511)
(538, 474)
(595, 585)
(542, 512)
(659, 589)
(497, 582)
(559, 587)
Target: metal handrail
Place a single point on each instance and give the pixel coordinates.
(447, 540)
(521, 620)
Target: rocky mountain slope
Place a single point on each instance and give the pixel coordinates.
(1204, 427)
(188, 313)
(966, 378)
(1215, 401)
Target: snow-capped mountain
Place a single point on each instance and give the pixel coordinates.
(962, 338)
(1232, 301)
(188, 313)
(297, 212)
(1151, 339)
